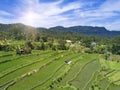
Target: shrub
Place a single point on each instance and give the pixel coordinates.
(23, 51)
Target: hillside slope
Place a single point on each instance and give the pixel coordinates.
(86, 30)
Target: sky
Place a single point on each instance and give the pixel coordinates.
(50, 13)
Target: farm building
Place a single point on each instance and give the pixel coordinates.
(68, 61)
(68, 41)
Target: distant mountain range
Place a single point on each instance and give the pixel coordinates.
(89, 30)
(86, 30)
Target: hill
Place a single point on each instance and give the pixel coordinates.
(85, 30)
(88, 30)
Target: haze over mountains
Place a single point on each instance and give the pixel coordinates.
(86, 30)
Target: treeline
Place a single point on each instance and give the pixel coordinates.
(43, 39)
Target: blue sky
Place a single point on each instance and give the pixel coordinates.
(49, 13)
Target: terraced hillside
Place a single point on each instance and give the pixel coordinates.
(47, 70)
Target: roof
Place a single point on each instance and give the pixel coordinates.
(68, 61)
(68, 41)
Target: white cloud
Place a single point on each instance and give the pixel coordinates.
(37, 13)
(111, 5)
(102, 15)
(7, 21)
(4, 13)
(45, 14)
(113, 25)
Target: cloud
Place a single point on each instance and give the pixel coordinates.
(79, 12)
(114, 26)
(4, 13)
(111, 5)
(107, 14)
(4, 17)
(46, 14)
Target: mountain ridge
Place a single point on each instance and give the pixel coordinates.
(86, 30)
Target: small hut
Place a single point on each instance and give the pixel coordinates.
(68, 61)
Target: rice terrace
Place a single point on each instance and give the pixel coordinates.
(48, 70)
(59, 44)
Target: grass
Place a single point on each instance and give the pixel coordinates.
(103, 84)
(75, 69)
(57, 76)
(4, 53)
(22, 71)
(47, 70)
(114, 65)
(29, 68)
(113, 87)
(91, 81)
(18, 63)
(85, 74)
(115, 76)
(40, 76)
(8, 58)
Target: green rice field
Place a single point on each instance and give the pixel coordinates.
(49, 70)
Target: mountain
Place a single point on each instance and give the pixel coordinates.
(17, 31)
(86, 30)
(18, 26)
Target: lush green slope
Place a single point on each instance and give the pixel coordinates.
(47, 70)
(18, 29)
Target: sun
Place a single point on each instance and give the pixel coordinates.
(29, 17)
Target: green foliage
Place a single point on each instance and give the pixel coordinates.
(28, 44)
(47, 38)
(47, 70)
(44, 39)
(116, 49)
(43, 47)
(61, 45)
(5, 46)
(24, 49)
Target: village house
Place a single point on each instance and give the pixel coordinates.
(68, 41)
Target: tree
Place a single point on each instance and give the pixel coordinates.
(54, 47)
(29, 45)
(37, 37)
(23, 50)
(44, 38)
(50, 44)
(61, 45)
(115, 49)
(43, 47)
